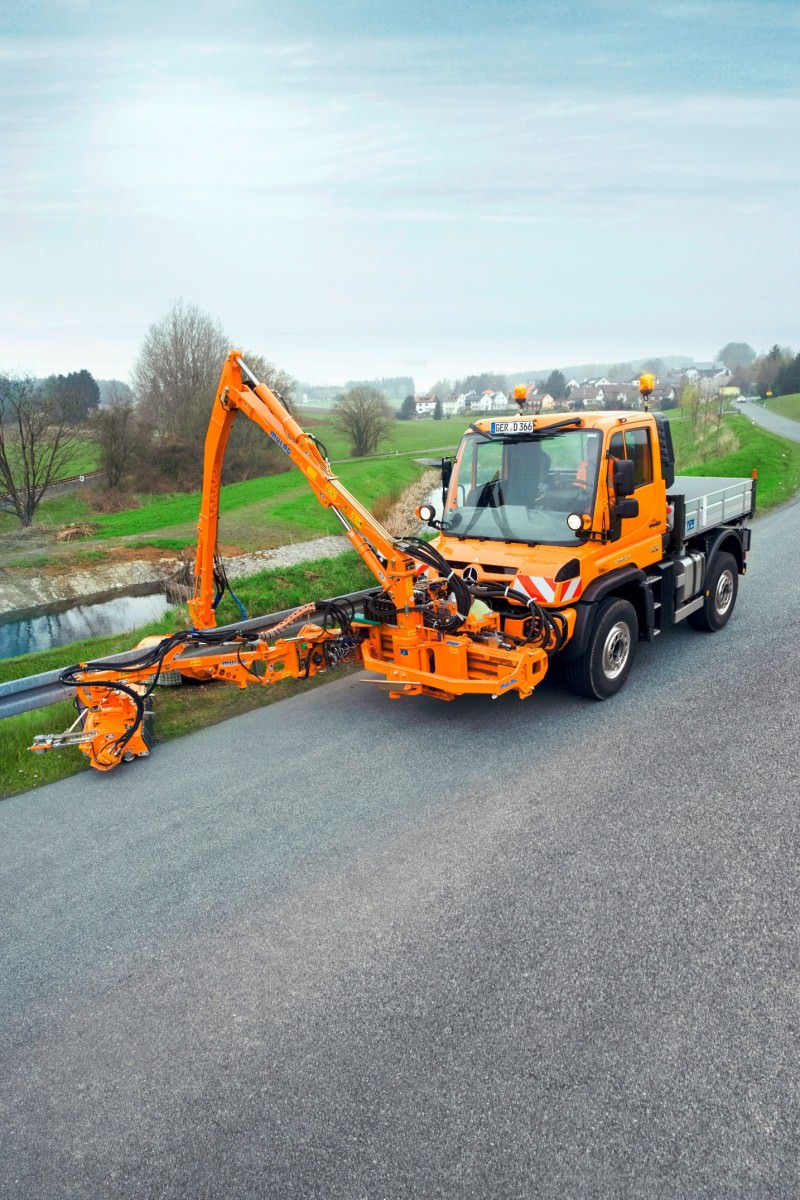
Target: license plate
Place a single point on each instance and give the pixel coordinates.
(512, 427)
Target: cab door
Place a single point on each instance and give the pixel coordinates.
(640, 534)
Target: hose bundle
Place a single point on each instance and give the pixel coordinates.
(546, 628)
(425, 553)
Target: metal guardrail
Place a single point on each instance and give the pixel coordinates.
(5, 498)
(83, 478)
(37, 691)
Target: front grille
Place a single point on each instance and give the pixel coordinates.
(489, 568)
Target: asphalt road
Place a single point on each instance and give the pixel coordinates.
(774, 422)
(350, 947)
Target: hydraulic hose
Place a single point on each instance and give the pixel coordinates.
(425, 553)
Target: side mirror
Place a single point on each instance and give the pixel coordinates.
(447, 472)
(626, 508)
(623, 477)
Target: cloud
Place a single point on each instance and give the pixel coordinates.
(321, 176)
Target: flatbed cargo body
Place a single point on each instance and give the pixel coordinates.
(709, 501)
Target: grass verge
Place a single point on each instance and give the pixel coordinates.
(256, 514)
(776, 460)
(269, 591)
(785, 406)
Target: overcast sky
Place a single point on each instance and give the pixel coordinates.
(364, 188)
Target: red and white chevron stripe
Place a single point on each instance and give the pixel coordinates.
(547, 591)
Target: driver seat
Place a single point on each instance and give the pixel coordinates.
(527, 466)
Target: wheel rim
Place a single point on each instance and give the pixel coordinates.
(616, 650)
(723, 597)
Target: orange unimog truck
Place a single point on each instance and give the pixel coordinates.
(583, 516)
(561, 538)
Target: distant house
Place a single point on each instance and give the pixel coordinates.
(709, 377)
(490, 401)
(622, 395)
(585, 395)
(454, 405)
(663, 396)
(542, 401)
(425, 405)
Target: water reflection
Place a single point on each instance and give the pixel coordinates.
(83, 621)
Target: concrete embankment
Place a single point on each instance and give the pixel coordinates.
(27, 594)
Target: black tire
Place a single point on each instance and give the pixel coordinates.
(605, 664)
(721, 588)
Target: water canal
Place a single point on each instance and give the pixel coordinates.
(80, 621)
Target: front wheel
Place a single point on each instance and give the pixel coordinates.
(721, 587)
(605, 664)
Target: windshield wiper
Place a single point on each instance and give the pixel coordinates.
(563, 424)
(536, 436)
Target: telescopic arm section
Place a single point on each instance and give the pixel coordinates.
(240, 391)
(115, 699)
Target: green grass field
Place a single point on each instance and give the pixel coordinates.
(786, 406)
(257, 514)
(776, 460)
(84, 457)
(405, 437)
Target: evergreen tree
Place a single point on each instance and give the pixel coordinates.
(556, 385)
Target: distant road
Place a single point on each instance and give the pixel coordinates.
(775, 423)
(59, 487)
(349, 947)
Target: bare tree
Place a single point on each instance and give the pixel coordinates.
(250, 452)
(114, 392)
(363, 414)
(690, 402)
(769, 368)
(35, 445)
(278, 381)
(176, 373)
(120, 440)
(174, 381)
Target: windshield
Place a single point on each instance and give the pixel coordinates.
(522, 488)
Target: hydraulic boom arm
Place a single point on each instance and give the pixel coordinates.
(422, 628)
(240, 391)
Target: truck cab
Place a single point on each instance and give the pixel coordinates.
(559, 500)
(581, 515)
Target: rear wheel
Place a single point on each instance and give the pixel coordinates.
(721, 587)
(605, 664)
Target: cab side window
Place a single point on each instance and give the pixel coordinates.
(637, 448)
(635, 445)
